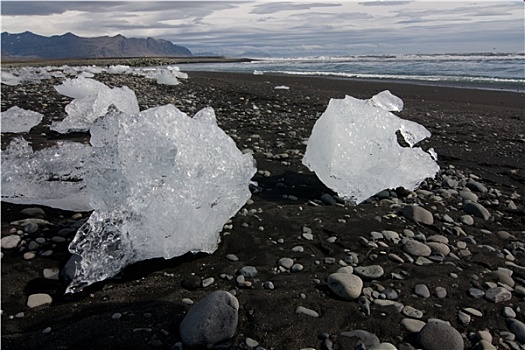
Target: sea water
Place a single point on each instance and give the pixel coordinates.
(499, 71)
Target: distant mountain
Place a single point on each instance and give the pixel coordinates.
(30, 45)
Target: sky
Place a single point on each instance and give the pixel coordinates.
(286, 28)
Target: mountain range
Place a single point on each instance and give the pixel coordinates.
(28, 45)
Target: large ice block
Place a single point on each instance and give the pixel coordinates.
(354, 150)
(162, 184)
(52, 177)
(16, 120)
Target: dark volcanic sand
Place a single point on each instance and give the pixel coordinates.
(477, 132)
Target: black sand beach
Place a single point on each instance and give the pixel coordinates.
(477, 134)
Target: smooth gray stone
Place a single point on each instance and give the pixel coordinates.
(370, 272)
(476, 186)
(440, 292)
(305, 311)
(469, 196)
(476, 293)
(213, 319)
(417, 248)
(518, 328)
(345, 285)
(287, 263)
(38, 299)
(439, 336)
(10, 242)
(369, 340)
(33, 213)
(328, 199)
(418, 214)
(504, 277)
(412, 325)
(422, 290)
(248, 271)
(410, 311)
(477, 210)
(498, 295)
(467, 220)
(364, 305)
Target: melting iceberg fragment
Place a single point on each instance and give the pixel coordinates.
(52, 177)
(17, 119)
(353, 148)
(162, 184)
(82, 112)
(80, 87)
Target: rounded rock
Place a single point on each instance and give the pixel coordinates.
(38, 299)
(439, 335)
(498, 295)
(287, 263)
(417, 248)
(248, 271)
(213, 319)
(418, 214)
(477, 210)
(345, 285)
(10, 242)
(369, 272)
(517, 328)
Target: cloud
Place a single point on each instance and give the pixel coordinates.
(275, 7)
(384, 3)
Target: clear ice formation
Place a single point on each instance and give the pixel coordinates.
(17, 120)
(52, 177)
(82, 112)
(353, 148)
(80, 87)
(162, 184)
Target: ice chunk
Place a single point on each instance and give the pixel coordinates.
(354, 150)
(9, 78)
(52, 177)
(17, 119)
(82, 112)
(387, 101)
(166, 77)
(80, 87)
(162, 184)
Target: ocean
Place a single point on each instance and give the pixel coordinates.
(497, 71)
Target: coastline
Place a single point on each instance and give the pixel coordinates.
(477, 134)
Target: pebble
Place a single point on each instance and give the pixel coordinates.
(208, 282)
(463, 317)
(395, 258)
(232, 257)
(298, 249)
(477, 210)
(476, 293)
(476, 186)
(10, 242)
(383, 346)
(46, 330)
(369, 339)
(369, 272)
(473, 311)
(409, 311)
(418, 214)
(29, 255)
(33, 212)
(517, 328)
(287, 263)
(248, 271)
(345, 285)
(440, 292)
(508, 312)
(439, 335)
(417, 248)
(211, 320)
(116, 316)
(251, 343)
(466, 220)
(306, 311)
(268, 285)
(468, 195)
(412, 325)
(297, 268)
(51, 273)
(504, 277)
(422, 290)
(498, 295)
(38, 299)
(31, 228)
(439, 247)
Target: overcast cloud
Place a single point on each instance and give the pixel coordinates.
(292, 28)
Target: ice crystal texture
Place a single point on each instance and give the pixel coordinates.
(52, 177)
(94, 99)
(16, 120)
(162, 184)
(354, 150)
